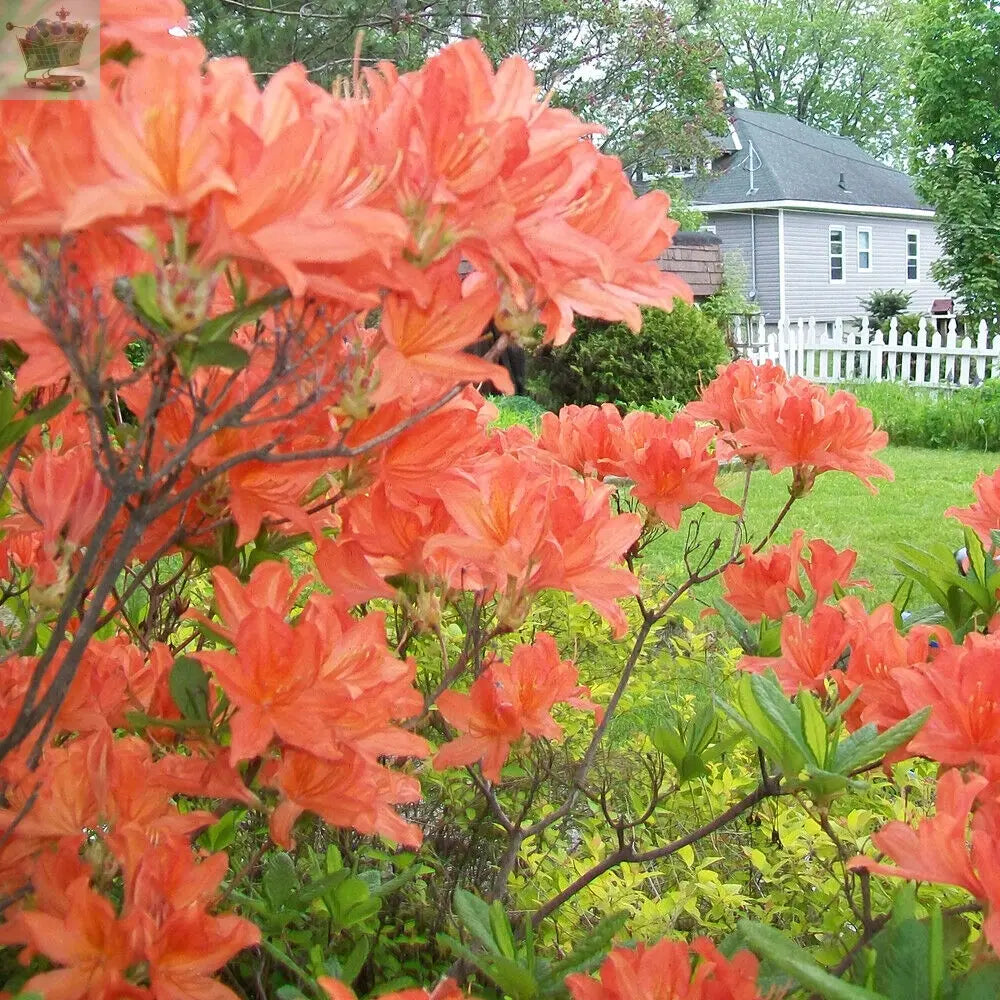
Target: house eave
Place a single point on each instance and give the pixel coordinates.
(817, 206)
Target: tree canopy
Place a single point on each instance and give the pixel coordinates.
(642, 71)
(836, 64)
(956, 141)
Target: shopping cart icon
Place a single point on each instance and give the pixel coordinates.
(48, 45)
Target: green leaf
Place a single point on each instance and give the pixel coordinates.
(935, 953)
(221, 328)
(778, 708)
(901, 960)
(144, 289)
(692, 767)
(474, 916)
(814, 730)
(502, 932)
(862, 748)
(702, 729)
(798, 963)
(17, 429)
(982, 983)
(512, 978)
(189, 688)
(350, 967)
(280, 881)
(321, 886)
(221, 835)
(219, 354)
(667, 740)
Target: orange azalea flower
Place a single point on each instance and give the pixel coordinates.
(799, 425)
(345, 569)
(584, 547)
(271, 586)
(160, 147)
(181, 944)
(983, 516)
(423, 459)
(962, 686)
(274, 683)
(145, 26)
(938, 849)
(66, 805)
(350, 792)
(669, 462)
(809, 650)
(204, 772)
(392, 535)
(363, 684)
(508, 701)
(670, 970)
(59, 501)
(91, 944)
(944, 849)
(132, 799)
(302, 190)
(431, 338)
(826, 567)
(498, 511)
(758, 586)
(735, 384)
(878, 655)
(587, 439)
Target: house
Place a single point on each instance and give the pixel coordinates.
(820, 223)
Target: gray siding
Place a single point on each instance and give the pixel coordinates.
(742, 232)
(808, 288)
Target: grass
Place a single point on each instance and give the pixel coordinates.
(839, 509)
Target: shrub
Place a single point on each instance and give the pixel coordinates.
(881, 306)
(675, 352)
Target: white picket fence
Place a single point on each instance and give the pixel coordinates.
(843, 352)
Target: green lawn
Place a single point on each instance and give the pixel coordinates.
(842, 511)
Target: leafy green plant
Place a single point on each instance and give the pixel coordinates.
(674, 352)
(960, 418)
(880, 306)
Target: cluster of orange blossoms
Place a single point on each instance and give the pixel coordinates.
(204, 192)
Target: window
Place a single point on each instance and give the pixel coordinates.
(912, 255)
(707, 229)
(836, 253)
(864, 248)
(682, 168)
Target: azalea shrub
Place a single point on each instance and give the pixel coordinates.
(316, 682)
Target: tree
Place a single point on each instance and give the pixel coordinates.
(836, 64)
(956, 142)
(640, 70)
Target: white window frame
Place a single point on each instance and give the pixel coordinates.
(708, 229)
(868, 231)
(914, 257)
(682, 168)
(831, 256)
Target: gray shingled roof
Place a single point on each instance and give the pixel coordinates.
(800, 163)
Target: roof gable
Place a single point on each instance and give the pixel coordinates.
(799, 163)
